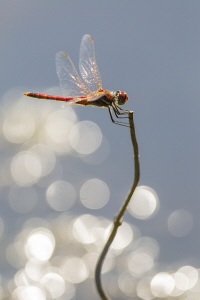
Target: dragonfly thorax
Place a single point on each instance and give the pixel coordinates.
(120, 97)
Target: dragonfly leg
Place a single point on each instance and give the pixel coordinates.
(125, 111)
(119, 114)
(117, 122)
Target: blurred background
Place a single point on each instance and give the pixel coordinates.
(65, 170)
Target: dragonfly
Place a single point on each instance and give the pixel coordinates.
(87, 88)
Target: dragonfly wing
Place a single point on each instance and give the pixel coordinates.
(87, 64)
(70, 81)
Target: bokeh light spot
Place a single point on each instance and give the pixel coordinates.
(35, 269)
(144, 290)
(61, 195)
(54, 285)
(123, 238)
(127, 284)
(17, 126)
(40, 244)
(85, 137)
(57, 129)
(25, 168)
(149, 245)
(180, 223)
(84, 227)
(144, 203)
(186, 278)
(28, 292)
(94, 193)
(140, 262)
(162, 285)
(74, 269)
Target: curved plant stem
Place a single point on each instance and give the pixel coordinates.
(118, 219)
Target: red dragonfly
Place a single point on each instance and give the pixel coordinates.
(88, 89)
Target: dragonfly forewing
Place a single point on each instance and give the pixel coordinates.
(87, 64)
(70, 81)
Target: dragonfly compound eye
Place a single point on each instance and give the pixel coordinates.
(122, 97)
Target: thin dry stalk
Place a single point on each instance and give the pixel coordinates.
(118, 219)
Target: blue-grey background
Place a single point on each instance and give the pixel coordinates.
(151, 50)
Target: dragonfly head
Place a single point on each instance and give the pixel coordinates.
(120, 97)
